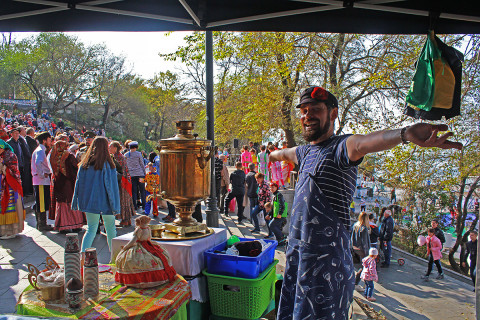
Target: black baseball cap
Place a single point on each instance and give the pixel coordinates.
(317, 94)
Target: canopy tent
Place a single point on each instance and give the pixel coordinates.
(349, 16)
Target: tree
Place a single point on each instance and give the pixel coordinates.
(260, 75)
(164, 97)
(450, 171)
(56, 68)
(111, 82)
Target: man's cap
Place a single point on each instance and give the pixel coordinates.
(372, 252)
(42, 135)
(89, 134)
(317, 94)
(387, 212)
(14, 129)
(133, 144)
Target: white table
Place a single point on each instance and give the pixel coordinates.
(187, 257)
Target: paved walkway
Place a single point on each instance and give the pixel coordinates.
(400, 292)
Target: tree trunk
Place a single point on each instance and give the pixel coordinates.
(155, 131)
(460, 225)
(105, 115)
(161, 127)
(39, 106)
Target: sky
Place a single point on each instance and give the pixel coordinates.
(139, 48)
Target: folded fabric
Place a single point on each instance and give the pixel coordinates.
(454, 59)
(249, 248)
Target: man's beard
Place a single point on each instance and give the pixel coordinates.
(316, 134)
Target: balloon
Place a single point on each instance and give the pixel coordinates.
(421, 240)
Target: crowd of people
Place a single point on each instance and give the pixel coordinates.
(256, 182)
(367, 238)
(77, 178)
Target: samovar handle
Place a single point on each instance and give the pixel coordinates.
(203, 159)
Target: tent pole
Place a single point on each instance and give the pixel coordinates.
(477, 287)
(211, 203)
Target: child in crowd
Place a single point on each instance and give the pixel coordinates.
(434, 254)
(152, 180)
(253, 153)
(263, 163)
(369, 273)
(246, 158)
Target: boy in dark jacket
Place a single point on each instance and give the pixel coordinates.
(438, 232)
(277, 214)
(386, 236)
(252, 187)
(472, 251)
(237, 179)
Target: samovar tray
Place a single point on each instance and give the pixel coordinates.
(172, 236)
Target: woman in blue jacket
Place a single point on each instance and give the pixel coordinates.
(96, 191)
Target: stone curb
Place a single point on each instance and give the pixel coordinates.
(422, 261)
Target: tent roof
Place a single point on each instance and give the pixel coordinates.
(349, 16)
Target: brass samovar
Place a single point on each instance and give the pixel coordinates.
(185, 176)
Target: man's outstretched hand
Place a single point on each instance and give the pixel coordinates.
(425, 135)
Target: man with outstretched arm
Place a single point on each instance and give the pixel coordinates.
(319, 281)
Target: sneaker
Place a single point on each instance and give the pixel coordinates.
(255, 231)
(371, 299)
(425, 277)
(440, 276)
(270, 236)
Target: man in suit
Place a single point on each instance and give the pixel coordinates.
(30, 138)
(23, 154)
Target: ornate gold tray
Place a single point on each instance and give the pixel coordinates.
(159, 232)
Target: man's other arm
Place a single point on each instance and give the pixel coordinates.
(288, 154)
(421, 134)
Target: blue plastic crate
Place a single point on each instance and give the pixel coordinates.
(239, 266)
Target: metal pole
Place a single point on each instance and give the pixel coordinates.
(211, 203)
(477, 287)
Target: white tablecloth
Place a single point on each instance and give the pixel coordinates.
(187, 257)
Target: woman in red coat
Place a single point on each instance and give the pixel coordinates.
(64, 168)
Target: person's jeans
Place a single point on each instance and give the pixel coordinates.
(92, 226)
(275, 226)
(369, 286)
(254, 215)
(430, 265)
(137, 185)
(473, 271)
(253, 203)
(387, 251)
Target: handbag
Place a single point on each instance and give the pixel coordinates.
(231, 206)
(261, 219)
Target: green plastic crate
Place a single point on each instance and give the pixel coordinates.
(239, 297)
